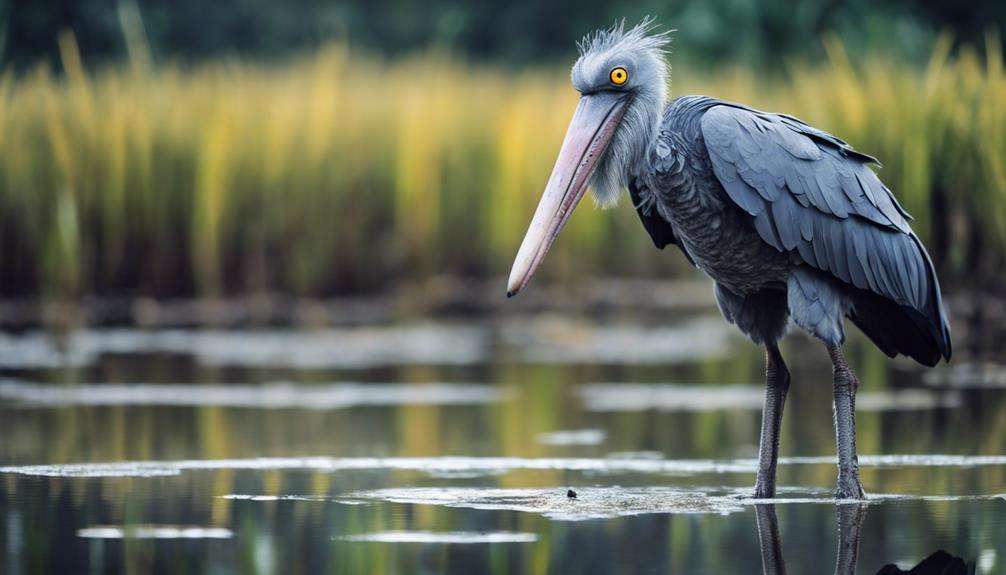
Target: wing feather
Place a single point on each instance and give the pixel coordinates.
(812, 195)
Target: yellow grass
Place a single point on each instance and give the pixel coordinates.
(342, 172)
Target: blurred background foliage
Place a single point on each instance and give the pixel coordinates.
(710, 32)
(210, 149)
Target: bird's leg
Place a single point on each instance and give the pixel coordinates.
(776, 386)
(850, 524)
(772, 562)
(845, 386)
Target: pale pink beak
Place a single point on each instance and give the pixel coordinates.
(590, 131)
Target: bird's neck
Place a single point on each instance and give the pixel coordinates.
(626, 157)
(652, 118)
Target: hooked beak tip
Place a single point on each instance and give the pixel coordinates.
(510, 293)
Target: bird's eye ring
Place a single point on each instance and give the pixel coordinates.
(618, 76)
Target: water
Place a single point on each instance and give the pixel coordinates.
(450, 445)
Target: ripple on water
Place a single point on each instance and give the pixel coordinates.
(590, 503)
(448, 537)
(600, 502)
(467, 466)
(967, 376)
(154, 532)
(349, 347)
(605, 397)
(271, 396)
(564, 340)
(474, 466)
(245, 497)
(608, 502)
(572, 437)
(539, 340)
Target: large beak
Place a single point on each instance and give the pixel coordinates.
(590, 131)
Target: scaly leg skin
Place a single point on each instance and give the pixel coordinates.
(845, 386)
(776, 386)
(772, 562)
(850, 523)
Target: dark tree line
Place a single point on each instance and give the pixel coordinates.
(756, 32)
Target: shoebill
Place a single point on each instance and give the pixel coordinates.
(790, 222)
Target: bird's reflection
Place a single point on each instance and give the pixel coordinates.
(772, 562)
(850, 519)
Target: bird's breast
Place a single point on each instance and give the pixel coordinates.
(720, 238)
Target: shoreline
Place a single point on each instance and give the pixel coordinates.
(439, 297)
(978, 319)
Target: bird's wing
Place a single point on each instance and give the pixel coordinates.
(809, 193)
(660, 230)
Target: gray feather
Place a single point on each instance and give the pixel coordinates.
(833, 211)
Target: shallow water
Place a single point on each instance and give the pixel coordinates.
(452, 445)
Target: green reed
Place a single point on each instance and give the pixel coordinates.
(340, 172)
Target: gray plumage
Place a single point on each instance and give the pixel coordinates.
(791, 223)
(763, 202)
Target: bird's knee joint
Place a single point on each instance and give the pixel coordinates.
(845, 377)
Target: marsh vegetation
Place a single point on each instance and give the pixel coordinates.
(340, 172)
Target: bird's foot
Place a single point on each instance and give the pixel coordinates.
(764, 487)
(849, 487)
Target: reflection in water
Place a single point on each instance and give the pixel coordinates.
(850, 526)
(851, 517)
(939, 563)
(850, 523)
(450, 448)
(772, 560)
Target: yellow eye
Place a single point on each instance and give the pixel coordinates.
(618, 76)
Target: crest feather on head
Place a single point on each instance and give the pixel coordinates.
(617, 38)
(646, 49)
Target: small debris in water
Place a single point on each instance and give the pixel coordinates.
(571, 494)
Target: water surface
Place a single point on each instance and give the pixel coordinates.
(453, 445)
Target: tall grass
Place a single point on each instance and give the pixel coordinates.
(342, 173)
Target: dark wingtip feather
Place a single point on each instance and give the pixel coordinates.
(938, 315)
(895, 329)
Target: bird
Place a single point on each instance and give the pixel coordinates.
(792, 224)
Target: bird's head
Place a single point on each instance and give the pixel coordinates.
(622, 79)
